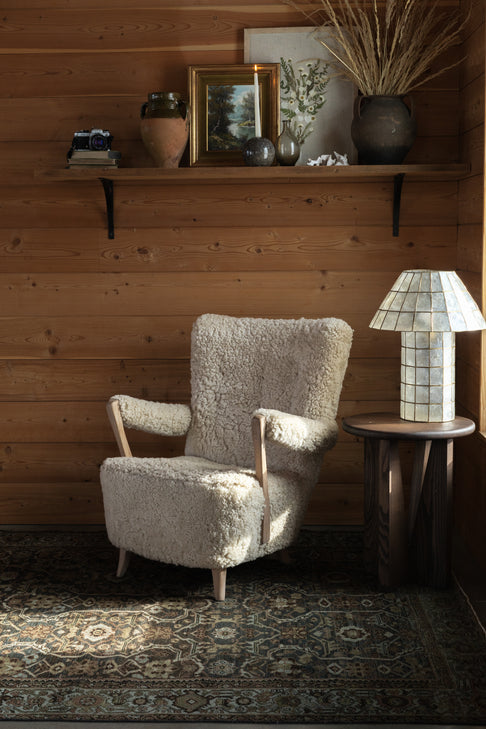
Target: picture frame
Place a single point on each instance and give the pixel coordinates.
(213, 89)
(332, 124)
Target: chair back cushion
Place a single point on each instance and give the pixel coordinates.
(239, 365)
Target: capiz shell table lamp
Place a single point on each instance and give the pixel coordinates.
(428, 307)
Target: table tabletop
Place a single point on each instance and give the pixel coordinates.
(390, 425)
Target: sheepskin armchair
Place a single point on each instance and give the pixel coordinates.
(264, 397)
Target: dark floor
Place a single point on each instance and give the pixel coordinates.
(192, 725)
(471, 579)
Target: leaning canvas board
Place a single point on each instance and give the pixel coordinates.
(299, 49)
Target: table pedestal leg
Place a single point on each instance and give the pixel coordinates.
(431, 533)
(385, 537)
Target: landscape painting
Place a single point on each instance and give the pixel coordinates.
(231, 116)
(222, 104)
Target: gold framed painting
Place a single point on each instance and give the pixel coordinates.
(222, 102)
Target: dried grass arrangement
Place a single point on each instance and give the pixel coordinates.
(386, 47)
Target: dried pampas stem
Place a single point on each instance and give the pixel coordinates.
(385, 47)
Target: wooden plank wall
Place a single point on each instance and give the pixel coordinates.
(470, 492)
(83, 317)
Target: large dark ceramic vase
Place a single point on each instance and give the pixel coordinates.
(383, 129)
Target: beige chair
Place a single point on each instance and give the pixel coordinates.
(263, 412)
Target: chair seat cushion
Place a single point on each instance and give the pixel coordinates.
(197, 513)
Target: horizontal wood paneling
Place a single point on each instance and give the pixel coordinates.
(211, 249)
(83, 317)
(130, 337)
(163, 380)
(73, 462)
(122, 78)
(184, 29)
(82, 504)
(53, 503)
(140, 206)
(60, 422)
(265, 4)
(470, 498)
(470, 201)
(472, 148)
(472, 104)
(469, 249)
(470, 460)
(78, 380)
(330, 503)
(249, 292)
(58, 116)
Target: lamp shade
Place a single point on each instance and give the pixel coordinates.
(428, 307)
(428, 301)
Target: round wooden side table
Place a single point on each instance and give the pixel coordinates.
(391, 546)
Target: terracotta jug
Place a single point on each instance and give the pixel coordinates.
(164, 127)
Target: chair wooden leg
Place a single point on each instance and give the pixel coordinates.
(123, 562)
(284, 556)
(219, 583)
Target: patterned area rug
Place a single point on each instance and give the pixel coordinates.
(313, 641)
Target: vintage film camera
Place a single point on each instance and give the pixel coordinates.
(96, 140)
(92, 148)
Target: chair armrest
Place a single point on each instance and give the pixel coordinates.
(258, 433)
(298, 433)
(153, 417)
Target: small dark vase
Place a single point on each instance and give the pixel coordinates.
(287, 149)
(383, 129)
(258, 152)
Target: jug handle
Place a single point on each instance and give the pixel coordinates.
(357, 105)
(143, 109)
(183, 107)
(410, 106)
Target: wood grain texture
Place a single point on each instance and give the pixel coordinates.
(432, 535)
(78, 380)
(163, 380)
(51, 503)
(235, 293)
(384, 511)
(127, 74)
(470, 453)
(211, 249)
(471, 103)
(83, 317)
(82, 205)
(153, 337)
(188, 29)
(58, 422)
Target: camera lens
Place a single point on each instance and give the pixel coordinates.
(98, 142)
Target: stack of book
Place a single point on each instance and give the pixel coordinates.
(91, 158)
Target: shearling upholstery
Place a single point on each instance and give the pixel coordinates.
(154, 417)
(204, 509)
(298, 433)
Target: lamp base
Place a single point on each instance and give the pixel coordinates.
(427, 389)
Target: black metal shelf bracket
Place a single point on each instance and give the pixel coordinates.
(108, 188)
(397, 197)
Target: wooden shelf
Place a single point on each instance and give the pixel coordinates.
(253, 175)
(244, 175)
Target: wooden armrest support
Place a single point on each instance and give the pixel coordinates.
(116, 421)
(258, 432)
